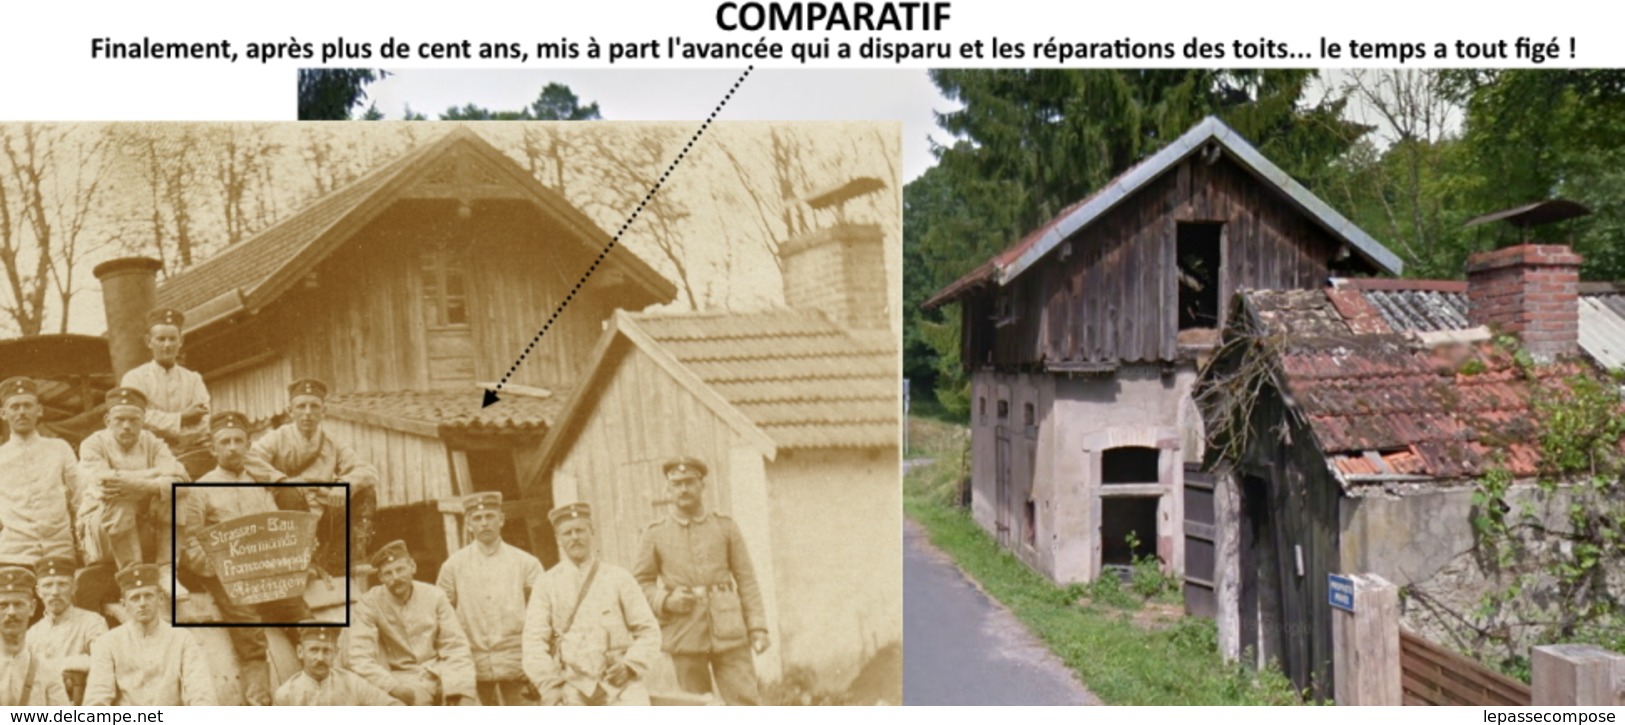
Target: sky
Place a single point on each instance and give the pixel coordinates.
(676, 95)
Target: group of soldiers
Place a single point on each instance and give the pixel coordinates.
(497, 630)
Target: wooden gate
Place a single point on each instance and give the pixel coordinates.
(1201, 536)
(1433, 675)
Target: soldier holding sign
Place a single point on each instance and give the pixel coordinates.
(406, 638)
(488, 582)
(320, 683)
(145, 661)
(206, 506)
(25, 677)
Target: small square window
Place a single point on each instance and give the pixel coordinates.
(1004, 409)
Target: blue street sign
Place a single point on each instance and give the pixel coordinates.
(1340, 592)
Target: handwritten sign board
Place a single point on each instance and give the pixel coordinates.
(262, 557)
(1340, 592)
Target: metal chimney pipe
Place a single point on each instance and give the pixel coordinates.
(129, 292)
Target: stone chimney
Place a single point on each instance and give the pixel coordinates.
(1531, 290)
(129, 292)
(840, 270)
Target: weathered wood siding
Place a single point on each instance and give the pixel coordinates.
(259, 392)
(413, 469)
(362, 325)
(1114, 299)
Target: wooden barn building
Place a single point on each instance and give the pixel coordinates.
(796, 411)
(1083, 340)
(407, 290)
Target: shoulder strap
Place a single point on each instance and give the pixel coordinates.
(581, 596)
(28, 680)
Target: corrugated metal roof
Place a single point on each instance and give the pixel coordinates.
(1017, 258)
(800, 378)
(1421, 310)
(1602, 329)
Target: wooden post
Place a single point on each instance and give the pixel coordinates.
(1365, 644)
(1576, 674)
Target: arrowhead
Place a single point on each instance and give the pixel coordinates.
(489, 399)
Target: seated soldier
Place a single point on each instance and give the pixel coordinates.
(206, 506)
(406, 638)
(320, 682)
(177, 400)
(64, 635)
(25, 677)
(303, 452)
(128, 476)
(147, 662)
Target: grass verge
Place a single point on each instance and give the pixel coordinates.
(1098, 631)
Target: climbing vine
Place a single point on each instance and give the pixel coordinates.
(1557, 553)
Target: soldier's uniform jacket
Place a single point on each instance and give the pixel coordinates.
(706, 556)
(199, 507)
(317, 459)
(613, 623)
(421, 635)
(44, 684)
(39, 476)
(169, 393)
(168, 667)
(99, 456)
(65, 641)
(489, 593)
(342, 687)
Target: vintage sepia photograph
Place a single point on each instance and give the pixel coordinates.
(433, 413)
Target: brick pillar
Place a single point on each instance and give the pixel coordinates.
(1531, 290)
(840, 271)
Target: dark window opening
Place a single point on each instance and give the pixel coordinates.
(1199, 265)
(1130, 464)
(1128, 529)
(1004, 409)
(445, 292)
(981, 405)
(1027, 414)
(1032, 523)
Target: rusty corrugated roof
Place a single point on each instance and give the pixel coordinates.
(803, 380)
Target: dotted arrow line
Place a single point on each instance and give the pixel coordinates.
(490, 396)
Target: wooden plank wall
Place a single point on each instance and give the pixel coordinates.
(260, 392)
(1433, 675)
(413, 469)
(1114, 299)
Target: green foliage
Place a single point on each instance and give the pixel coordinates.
(328, 94)
(556, 102)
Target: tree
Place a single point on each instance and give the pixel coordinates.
(50, 190)
(328, 94)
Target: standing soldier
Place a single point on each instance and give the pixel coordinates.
(322, 684)
(128, 475)
(206, 506)
(38, 475)
(694, 568)
(25, 677)
(488, 582)
(303, 452)
(589, 635)
(177, 401)
(64, 635)
(406, 638)
(145, 661)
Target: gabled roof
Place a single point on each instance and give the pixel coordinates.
(783, 379)
(250, 275)
(1017, 258)
(1365, 369)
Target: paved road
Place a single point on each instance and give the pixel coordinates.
(962, 648)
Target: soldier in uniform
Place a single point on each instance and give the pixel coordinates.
(146, 662)
(321, 683)
(205, 506)
(64, 635)
(303, 452)
(406, 638)
(39, 477)
(128, 475)
(177, 401)
(25, 677)
(694, 568)
(488, 582)
(589, 634)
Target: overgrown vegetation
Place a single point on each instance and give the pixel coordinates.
(1093, 628)
(1555, 552)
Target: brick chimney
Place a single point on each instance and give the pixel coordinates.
(840, 271)
(129, 292)
(1531, 290)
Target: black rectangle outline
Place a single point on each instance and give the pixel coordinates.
(174, 555)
